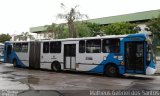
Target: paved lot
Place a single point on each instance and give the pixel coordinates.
(26, 79)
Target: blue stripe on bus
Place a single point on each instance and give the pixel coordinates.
(12, 56)
(110, 59)
(19, 62)
(152, 64)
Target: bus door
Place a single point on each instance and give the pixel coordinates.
(134, 57)
(34, 55)
(8, 52)
(69, 56)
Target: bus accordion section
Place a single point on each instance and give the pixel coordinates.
(111, 55)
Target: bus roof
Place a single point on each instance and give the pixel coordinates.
(99, 37)
(85, 38)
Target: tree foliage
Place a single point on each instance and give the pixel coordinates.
(119, 28)
(154, 26)
(94, 28)
(83, 30)
(71, 16)
(56, 31)
(4, 37)
(52, 31)
(26, 35)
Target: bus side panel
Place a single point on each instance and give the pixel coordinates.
(23, 58)
(46, 59)
(89, 61)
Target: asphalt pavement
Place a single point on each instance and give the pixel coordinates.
(29, 82)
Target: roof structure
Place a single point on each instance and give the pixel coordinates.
(139, 16)
(38, 29)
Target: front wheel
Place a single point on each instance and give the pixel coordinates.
(111, 70)
(56, 66)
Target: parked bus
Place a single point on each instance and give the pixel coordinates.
(111, 55)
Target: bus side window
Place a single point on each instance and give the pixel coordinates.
(46, 47)
(9, 49)
(55, 47)
(24, 47)
(17, 47)
(93, 46)
(81, 46)
(111, 46)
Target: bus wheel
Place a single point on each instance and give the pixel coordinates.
(14, 62)
(111, 70)
(56, 66)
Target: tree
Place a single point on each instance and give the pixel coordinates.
(87, 29)
(26, 35)
(154, 26)
(53, 29)
(82, 29)
(71, 16)
(62, 31)
(95, 28)
(119, 28)
(4, 37)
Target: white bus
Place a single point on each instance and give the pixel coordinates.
(111, 55)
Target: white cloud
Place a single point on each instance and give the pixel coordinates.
(19, 15)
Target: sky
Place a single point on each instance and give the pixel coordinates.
(17, 16)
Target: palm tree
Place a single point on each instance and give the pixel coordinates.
(25, 35)
(71, 16)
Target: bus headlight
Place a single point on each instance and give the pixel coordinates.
(122, 63)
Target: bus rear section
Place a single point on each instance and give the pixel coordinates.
(17, 53)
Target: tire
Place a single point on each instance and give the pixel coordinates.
(56, 66)
(111, 70)
(14, 62)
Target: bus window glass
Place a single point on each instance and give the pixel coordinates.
(55, 47)
(139, 52)
(148, 55)
(82, 46)
(24, 47)
(17, 47)
(46, 47)
(9, 49)
(93, 46)
(111, 45)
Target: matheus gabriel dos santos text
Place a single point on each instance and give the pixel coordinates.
(124, 92)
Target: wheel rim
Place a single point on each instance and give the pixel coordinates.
(55, 67)
(112, 70)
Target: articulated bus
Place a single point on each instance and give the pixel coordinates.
(112, 55)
